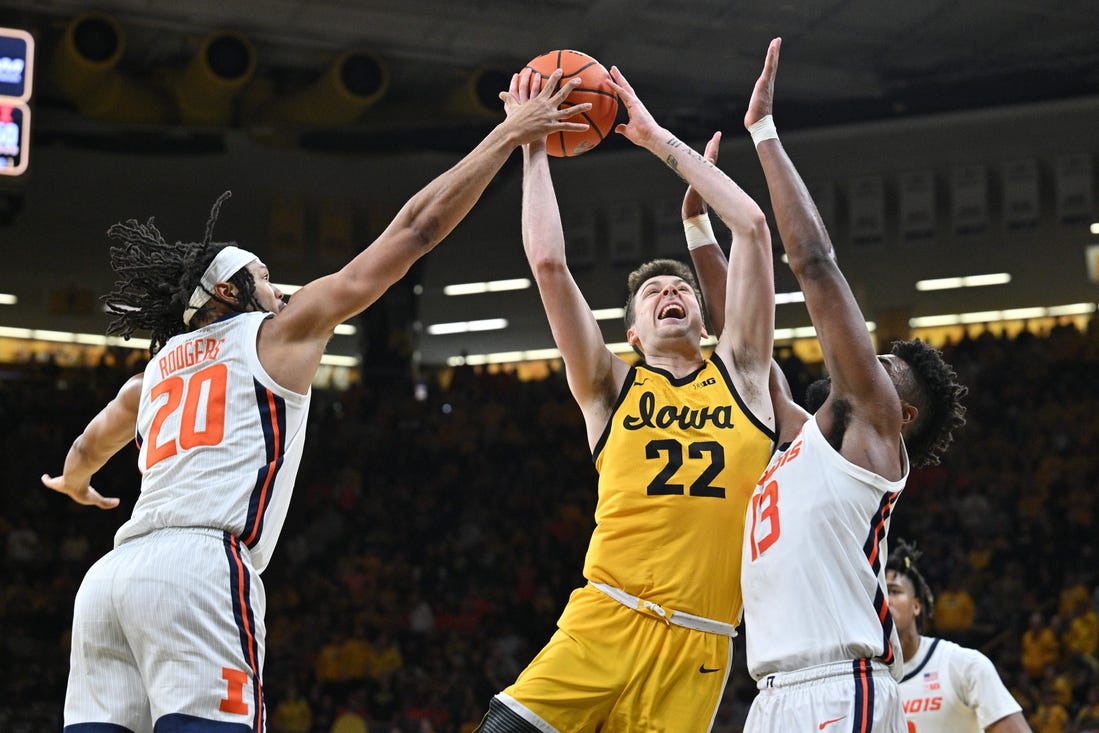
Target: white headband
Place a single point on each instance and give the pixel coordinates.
(226, 264)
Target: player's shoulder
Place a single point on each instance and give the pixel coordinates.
(965, 660)
(962, 652)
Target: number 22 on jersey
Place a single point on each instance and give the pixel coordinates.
(202, 396)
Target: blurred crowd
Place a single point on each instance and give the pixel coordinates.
(432, 542)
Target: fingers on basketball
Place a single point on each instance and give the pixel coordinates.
(593, 88)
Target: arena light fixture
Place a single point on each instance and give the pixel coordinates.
(617, 347)
(808, 332)
(608, 314)
(542, 354)
(795, 297)
(490, 286)
(8, 299)
(1095, 227)
(487, 324)
(967, 281)
(1073, 309)
(1010, 314)
(340, 361)
(98, 339)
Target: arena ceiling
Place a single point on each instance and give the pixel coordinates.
(692, 59)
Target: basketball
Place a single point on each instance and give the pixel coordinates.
(593, 88)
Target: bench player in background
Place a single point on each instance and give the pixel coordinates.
(168, 629)
(946, 688)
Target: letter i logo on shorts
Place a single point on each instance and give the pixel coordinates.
(235, 681)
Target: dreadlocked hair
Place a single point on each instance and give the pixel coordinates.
(903, 557)
(938, 397)
(156, 279)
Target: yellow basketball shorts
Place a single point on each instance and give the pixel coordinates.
(610, 668)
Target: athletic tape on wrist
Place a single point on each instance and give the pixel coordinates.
(699, 232)
(763, 129)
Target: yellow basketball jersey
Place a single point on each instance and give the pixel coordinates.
(677, 464)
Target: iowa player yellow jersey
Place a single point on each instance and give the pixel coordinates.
(677, 464)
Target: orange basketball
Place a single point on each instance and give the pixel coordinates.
(593, 88)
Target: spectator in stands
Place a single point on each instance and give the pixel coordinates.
(955, 610)
(1080, 639)
(293, 713)
(1051, 716)
(1040, 647)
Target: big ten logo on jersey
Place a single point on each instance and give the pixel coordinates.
(188, 354)
(705, 383)
(923, 704)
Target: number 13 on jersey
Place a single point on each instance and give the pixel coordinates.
(765, 522)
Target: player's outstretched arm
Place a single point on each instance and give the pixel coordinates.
(105, 435)
(711, 266)
(750, 292)
(593, 372)
(423, 222)
(710, 263)
(856, 374)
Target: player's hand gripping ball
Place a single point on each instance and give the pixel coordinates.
(593, 88)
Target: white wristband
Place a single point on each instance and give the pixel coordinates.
(699, 231)
(763, 129)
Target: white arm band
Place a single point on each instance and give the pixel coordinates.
(699, 232)
(763, 129)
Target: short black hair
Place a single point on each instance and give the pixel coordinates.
(816, 393)
(937, 394)
(156, 279)
(902, 561)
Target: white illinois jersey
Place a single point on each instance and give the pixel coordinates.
(220, 441)
(948, 688)
(813, 561)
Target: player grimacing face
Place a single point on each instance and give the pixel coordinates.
(267, 294)
(665, 305)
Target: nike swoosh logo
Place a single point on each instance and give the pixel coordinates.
(638, 384)
(827, 723)
(702, 668)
